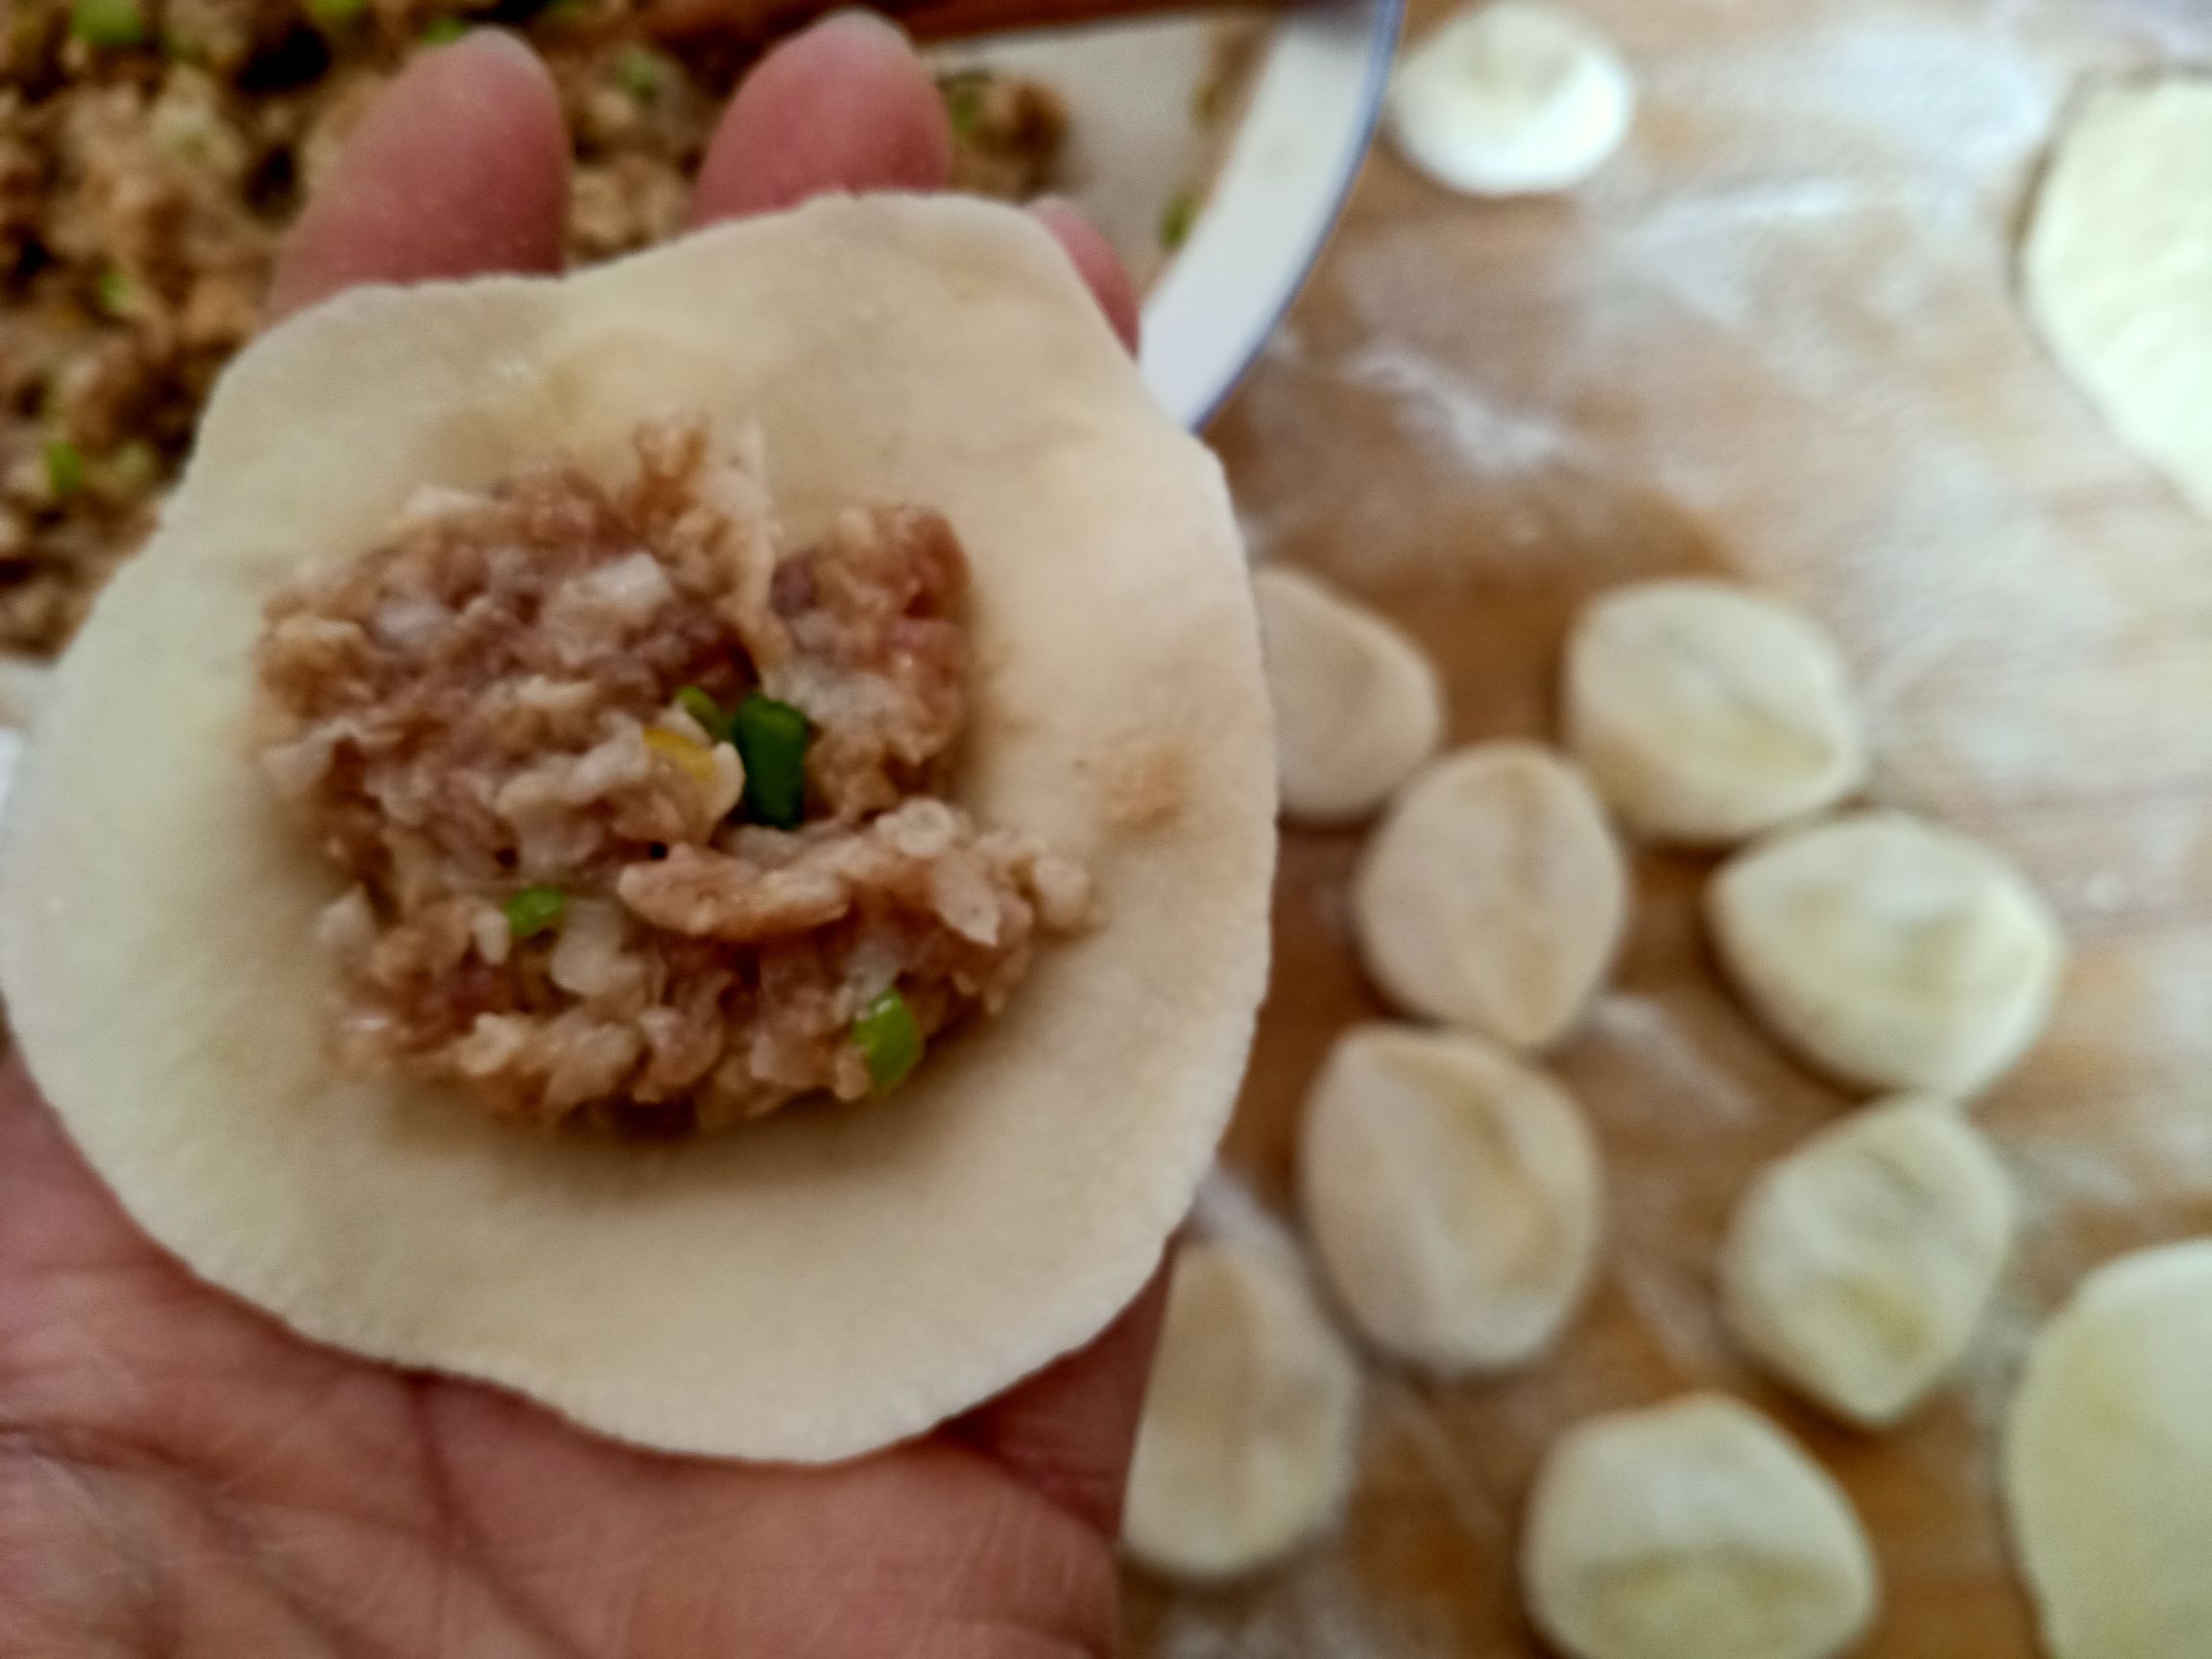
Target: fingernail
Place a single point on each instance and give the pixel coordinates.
(498, 42)
(859, 20)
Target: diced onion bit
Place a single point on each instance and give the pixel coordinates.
(889, 1040)
(441, 31)
(680, 753)
(110, 24)
(712, 721)
(64, 468)
(771, 739)
(534, 910)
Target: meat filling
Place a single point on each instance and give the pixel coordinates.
(644, 817)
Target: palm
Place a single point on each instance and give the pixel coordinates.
(180, 1475)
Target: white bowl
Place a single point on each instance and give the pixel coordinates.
(1315, 98)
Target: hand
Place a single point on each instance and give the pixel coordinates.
(181, 1476)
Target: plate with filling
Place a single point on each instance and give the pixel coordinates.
(695, 845)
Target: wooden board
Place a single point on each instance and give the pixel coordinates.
(1777, 338)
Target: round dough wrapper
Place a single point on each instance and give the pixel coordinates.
(1707, 713)
(2117, 260)
(809, 1286)
(1891, 952)
(1454, 1195)
(2108, 1461)
(1358, 706)
(1249, 1437)
(1693, 1531)
(1493, 895)
(1860, 1266)
(1509, 98)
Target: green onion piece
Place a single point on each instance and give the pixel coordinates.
(1177, 218)
(112, 292)
(964, 106)
(534, 909)
(639, 72)
(64, 468)
(112, 25)
(771, 739)
(335, 13)
(443, 31)
(694, 702)
(888, 1040)
(179, 47)
(135, 467)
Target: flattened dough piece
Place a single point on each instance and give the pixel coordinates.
(1249, 1441)
(1454, 1195)
(1358, 706)
(1493, 893)
(1889, 950)
(1511, 98)
(2108, 1461)
(1859, 1267)
(1693, 1531)
(802, 1289)
(1706, 712)
(2117, 262)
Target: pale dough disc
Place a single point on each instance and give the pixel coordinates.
(1693, 1531)
(1889, 950)
(1511, 98)
(1250, 1432)
(2108, 1461)
(1707, 713)
(1859, 1267)
(1454, 1195)
(809, 1286)
(1358, 706)
(2118, 260)
(1493, 895)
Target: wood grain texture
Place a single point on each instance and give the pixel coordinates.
(1778, 339)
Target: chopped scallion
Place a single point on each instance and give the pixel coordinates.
(1177, 218)
(535, 910)
(771, 739)
(889, 1040)
(110, 25)
(694, 702)
(443, 31)
(336, 14)
(640, 72)
(964, 106)
(64, 468)
(112, 292)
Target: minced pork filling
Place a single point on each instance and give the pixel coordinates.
(644, 815)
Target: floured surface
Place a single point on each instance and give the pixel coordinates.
(1776, 338)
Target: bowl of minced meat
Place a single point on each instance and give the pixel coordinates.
(641, 815)
(153, 152)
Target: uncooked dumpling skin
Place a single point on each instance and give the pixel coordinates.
(1493, 895)
(1511, 98)
(1357, 706)
(1889, 950)
(1454, 1195)
(802, 1289)
(1706, 712)
(1249, 1436)
(2108, 1461)
(2117, 261)
(1859, 1267)
(1692, 1531)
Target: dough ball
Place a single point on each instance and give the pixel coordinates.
(2117, 261)
(1707, 713)
(1357, 706)
(1453, 1194)
(1510, 99)
(2109, 1462)
(1493, 895)
(1692, 1531)
(1248, 1440)
(1860, 1266)
(1891, 952)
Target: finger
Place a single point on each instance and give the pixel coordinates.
(846, 106)
(1096, 263)
(461, 166)
(1069, 1430)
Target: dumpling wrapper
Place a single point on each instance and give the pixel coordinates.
(813, 1285)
